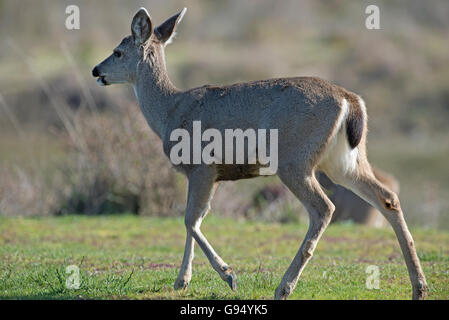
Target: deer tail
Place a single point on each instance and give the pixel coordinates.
(355, 120)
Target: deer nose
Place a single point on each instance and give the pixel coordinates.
(95, 72)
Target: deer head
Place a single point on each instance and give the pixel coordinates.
(145, 44)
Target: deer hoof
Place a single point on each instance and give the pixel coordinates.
(181, 284)
(229, 276)
(231, 279)
(281, 293)
(420, 291)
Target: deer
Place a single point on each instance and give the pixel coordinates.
(321, 126)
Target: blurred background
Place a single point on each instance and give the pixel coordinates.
(68, 146)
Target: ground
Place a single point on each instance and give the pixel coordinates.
(131, 257)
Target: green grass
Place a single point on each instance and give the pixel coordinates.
(129, 257)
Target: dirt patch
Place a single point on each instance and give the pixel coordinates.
(337, 239)
(154, 266)
(289, 237)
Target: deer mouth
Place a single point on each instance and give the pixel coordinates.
(102, 81)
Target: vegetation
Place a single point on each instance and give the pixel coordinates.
(67, 145)
(129, 257)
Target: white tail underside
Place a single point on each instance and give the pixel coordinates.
(339, 158)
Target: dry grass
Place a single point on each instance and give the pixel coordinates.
(117, 165)
(113, 164)
(402, 72)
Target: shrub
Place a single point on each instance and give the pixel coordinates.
(112, 164)
(115, 165)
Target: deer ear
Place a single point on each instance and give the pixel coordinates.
(141, 27)
(166, 31)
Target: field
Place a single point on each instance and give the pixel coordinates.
(130, 257)
(84, 182)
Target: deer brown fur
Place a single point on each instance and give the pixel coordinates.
(321, 127)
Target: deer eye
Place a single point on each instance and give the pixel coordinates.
(117, 54)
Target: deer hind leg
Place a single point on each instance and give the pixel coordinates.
(307, 189)
(201, 189)
(363, 183)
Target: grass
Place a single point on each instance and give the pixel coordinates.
(130, 257)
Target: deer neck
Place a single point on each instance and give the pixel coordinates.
(155, 94)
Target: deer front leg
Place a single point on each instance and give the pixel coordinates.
(185, 273)
(201, 189)
(198, 204)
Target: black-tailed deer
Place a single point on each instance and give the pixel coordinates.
(320, 127)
